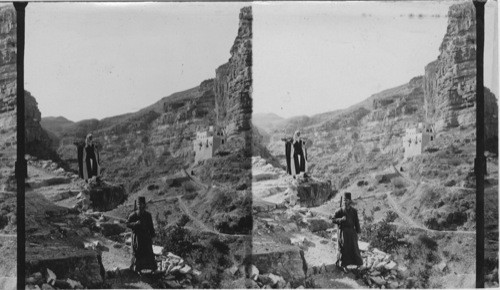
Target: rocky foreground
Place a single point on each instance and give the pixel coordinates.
(297, 243)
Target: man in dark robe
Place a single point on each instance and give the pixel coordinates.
(91, 157)
(288, 150)
(143, 232)
(347, 241)
(299, 155)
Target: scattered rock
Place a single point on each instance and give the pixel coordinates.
(442, 266)
(275, 279)
(378, 280)
(51, 277)
(363, 246)
(391, 265)
(186, 269)
(253, 272)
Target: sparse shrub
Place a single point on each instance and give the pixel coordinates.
(362, 183)
(399, 192)
(390, 216)
(398, 182)
(371, 188)
(189, 187)
(454, 162)
(421, 254)
(450, 183)
(376, 208)
(382, 235)
(190, 195)
(431, 149)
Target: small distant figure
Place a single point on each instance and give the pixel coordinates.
(296, 155)
(401, 169)
(88, 159)
(347, 242)
(143, 233)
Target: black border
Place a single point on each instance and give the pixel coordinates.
(21, 168)
(480, 162)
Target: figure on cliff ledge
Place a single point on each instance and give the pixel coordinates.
(143, 233)
(88, 159)
(296, 155)
(347, 240)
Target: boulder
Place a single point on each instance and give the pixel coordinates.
(391, 265)
(186, 269)
(253, 272)
(378, 280)
(105, 196)
(363, 246)
(51, 277)
(275, 279)
(284, 260)
(312, 192)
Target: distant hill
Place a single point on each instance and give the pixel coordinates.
(266, 121)
(56, 125)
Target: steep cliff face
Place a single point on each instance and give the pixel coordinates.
(8, 78)
(450, 81)
(233, 81)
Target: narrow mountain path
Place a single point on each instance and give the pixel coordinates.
(411, 223)
(201, 225)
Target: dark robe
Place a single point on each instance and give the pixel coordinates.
(142, 241)
(91, 160)
(288, 151)
(347, 241)
(299, 159)
(88, 161)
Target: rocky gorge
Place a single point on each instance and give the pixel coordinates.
(431, 196)
(147, 153)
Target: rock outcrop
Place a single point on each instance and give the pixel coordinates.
(8, 77)
(233, 81)
(313, 192)
(450, 81)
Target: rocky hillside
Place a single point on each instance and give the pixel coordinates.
(371, 132)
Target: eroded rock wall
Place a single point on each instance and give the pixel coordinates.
(8, 75)
(450, 81)
(233, 81)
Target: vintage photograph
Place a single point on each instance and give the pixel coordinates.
(8, 142)
(282, 145)
(366, 121)
(138, 141)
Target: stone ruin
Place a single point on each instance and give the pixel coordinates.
(207, 142)
(416, 139)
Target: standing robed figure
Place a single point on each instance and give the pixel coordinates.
(347, 240)
(143, 232)
(88, 159)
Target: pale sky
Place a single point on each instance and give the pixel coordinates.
(312, 58)
(89, 60)
(85, 60)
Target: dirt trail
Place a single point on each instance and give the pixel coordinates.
(411, 223)
(201, 226)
